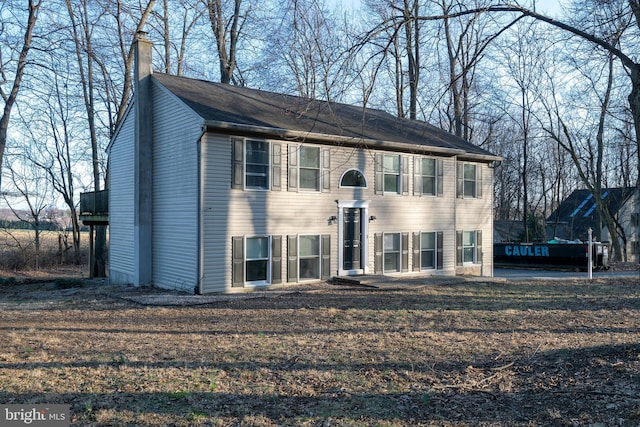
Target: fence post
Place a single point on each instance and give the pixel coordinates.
(589, 255)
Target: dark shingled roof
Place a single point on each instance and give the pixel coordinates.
(572, 219)
(240, 105)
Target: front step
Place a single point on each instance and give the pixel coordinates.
(366, 281)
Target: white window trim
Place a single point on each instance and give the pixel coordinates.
(318, 189)
(313, 279)
(269, 166)
(366, 183)
(435, 177)
(475, 248)
(257, 283)
(399, 175)
(435, 251)
(399, 270)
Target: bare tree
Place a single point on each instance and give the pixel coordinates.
(227, 29)
(122, 89)
(30, 189)
(587, 152)
(185, 15)
(9, 97)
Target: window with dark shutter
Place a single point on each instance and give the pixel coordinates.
(276, 259)
(292, 258)
(405, 253)
(276, 167)
(326, 257)
(378, 262)
(439, 242)
(237, 167)
(237, 270)
(416, 252)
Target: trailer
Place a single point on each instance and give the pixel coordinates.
(553, 254)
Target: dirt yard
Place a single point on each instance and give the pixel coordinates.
(438, 354)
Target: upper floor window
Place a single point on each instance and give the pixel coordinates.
(353, 178)
(391, 169)
(392, 174)
(428, 177)
(256, 164)
(469, 178)
(309, 168)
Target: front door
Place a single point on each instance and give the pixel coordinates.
(352, 232)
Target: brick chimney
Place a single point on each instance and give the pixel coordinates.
(143, 214)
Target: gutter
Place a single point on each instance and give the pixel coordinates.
(300, 136)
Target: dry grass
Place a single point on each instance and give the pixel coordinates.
(490, 354)
(18, 253)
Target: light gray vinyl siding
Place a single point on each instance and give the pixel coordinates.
(216, 216)
(175, 193)
(229, 213)
(477, 214)
(121, 253)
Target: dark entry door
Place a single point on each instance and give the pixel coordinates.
(352, 236)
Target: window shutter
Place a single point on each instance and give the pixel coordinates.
(417, 176)
(478, 246)
(237, 270)
(405, 252)
(439, 264)
(479, 181)
(416, 251)
(326, 170)
(276, 167)
(459, 259)
(292, 258)
(276, 259)
(293, 168)
(440, 174)
(379, 174)
(405, 175)
(378, 265)
(459, 179)
(326, 257)
(237, 167)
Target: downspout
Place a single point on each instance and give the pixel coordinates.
(200, 220)
(455, 214)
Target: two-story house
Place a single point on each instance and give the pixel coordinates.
(219, 188)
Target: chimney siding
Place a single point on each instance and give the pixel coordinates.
(143, 213)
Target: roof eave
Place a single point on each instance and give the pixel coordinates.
(300, 136)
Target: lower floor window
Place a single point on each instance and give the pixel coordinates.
(469, 247)
(309, 255)
(257, 259)
(391, 252)
(428, 251)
